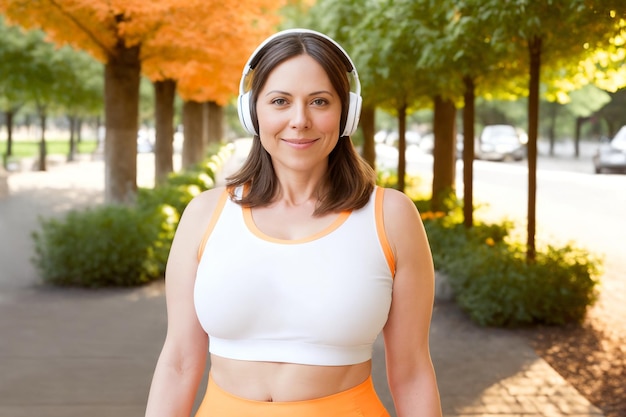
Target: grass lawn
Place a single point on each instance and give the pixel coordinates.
(30, 148)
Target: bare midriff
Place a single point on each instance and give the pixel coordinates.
(282, 382)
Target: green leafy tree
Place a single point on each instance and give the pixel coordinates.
(36, 73)
(612, 114)
(469, 43)
(79, 84)
(40, 72)
(14, 58)
(579, 105)
(402, 83)
(554, 33)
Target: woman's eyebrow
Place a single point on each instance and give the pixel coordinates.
(285, 93)
(314, 93)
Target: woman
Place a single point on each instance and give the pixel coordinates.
(295, 267)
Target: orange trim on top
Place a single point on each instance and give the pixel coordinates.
(380, 229)
(216, 214)
(247, 215)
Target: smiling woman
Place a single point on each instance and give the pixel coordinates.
(296, 266)
(299, 113)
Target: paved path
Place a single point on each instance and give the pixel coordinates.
(71, 352)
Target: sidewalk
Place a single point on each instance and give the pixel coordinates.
(71, 352)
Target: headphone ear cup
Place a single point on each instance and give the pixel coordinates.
(245, 115)
(354, 114)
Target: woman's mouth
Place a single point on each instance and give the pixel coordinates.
(300, 143)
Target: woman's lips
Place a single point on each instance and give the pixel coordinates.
(300, 143)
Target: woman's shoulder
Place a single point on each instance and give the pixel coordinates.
(399, 211)
(205, 202)
(396, 200)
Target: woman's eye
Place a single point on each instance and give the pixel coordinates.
(319, 102)
(279, 101)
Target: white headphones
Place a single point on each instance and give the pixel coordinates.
(243, 103)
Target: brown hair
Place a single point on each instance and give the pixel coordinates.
(349, 180)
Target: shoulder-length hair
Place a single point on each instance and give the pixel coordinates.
(349, 180)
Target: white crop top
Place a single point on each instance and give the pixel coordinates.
(321, 300)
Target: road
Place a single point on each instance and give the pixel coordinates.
(573, 205)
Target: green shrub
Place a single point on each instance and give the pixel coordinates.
(490, 276)
(176, 196)
(104, 246)
(121, 245)
(496, 286)
(181, 187)
(198, 178)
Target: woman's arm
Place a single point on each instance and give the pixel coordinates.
(182, 360)
(410, 372)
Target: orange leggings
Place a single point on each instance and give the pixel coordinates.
(360, 401)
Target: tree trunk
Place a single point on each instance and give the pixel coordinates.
(193, 146)
(534, 49)
(553, 112)
(468, 151)
(444, 153)
(579, 123)
(99, 132)
(79, 129)
(121, 85)
(215, 122)
(43, 151)
(9, 121)
(164, 93)
(71, 154)
(401, 147)
(368, 125)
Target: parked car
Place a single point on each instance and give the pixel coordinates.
(611, 156)
(500, 143)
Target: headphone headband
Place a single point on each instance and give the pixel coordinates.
(354, 109)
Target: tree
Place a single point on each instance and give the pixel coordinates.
(123, 35)
(29, 72)
(554, 32)
(612, 114)
(210, 76)
(164, 96)
(14, 59)
(469, 42)
(390, 63)
(79, 84)
(580, 104)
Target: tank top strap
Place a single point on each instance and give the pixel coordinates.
(214, 217)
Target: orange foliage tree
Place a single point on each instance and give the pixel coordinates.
(169, 38)
(202, 60)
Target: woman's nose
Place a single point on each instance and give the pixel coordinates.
(300, 117)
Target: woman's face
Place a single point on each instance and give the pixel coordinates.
(299, 113)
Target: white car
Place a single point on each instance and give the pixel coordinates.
(611, 156)
(500, 143)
